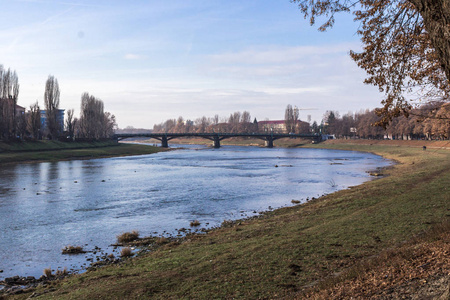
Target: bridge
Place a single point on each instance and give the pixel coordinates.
(217, 137)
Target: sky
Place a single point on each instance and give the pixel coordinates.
(157, 59)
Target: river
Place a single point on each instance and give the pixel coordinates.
(47, 206)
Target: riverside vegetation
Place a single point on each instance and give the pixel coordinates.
(14, 152)
(386, 238)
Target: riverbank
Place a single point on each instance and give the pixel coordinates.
(39, 151)
(289, 142)
(323, 247)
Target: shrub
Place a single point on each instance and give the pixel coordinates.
(127, 237)
(48, 272)
(161, 240)
(62, 272)
(126, 252)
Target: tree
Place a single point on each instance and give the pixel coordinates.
(9, 93)
(91, 117)
(330, 121)
(406, 46)
(51, 101)
(289, 118)
(71, 123)
(34, 121)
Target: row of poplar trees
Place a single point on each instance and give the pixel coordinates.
(93, 123)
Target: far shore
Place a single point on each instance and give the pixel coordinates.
(50, 151)
(288, 142)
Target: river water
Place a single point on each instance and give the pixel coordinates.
(46, 206)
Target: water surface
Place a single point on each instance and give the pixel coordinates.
(46, 206)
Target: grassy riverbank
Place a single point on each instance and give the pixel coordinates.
(54, 150)
(325, 247)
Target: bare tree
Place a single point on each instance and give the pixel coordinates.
(91, 116)
(71, 122)
(289, 118)
(94, 123)
(51, 101)
(34, 121)
(9, 92)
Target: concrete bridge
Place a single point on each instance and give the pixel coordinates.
(217, 137)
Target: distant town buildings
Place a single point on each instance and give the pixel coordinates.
(279, 126)
(20, 110)
(59, 120)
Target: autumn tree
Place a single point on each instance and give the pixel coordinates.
(51, 101)
(406, 46)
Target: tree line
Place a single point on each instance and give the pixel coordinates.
(429, 121)
(237, 122)
(15, 123)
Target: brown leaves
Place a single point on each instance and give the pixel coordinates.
(398, 54)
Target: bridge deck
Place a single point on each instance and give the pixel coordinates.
(216, 137)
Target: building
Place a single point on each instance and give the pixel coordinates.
(279, 126)
(20, 110)
(276, 126)
(59, 120)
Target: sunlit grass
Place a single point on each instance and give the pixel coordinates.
(290, 250)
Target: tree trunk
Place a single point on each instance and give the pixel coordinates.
(436, 17)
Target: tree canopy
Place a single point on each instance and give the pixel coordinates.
(406, 47)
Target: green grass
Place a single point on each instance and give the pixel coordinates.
(54, 151)
(289, 250)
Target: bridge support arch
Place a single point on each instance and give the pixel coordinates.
(268, 142)
(216, 142)
(164, 142)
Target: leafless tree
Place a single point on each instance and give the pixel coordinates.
(70, 123)
(94, 123)
(51, 101)
(9, 92)
(289, 118)
(34, 121)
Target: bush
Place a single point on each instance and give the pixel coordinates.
(127, 237)
(126, 252)
(48, 272)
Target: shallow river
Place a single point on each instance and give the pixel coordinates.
(46, 206)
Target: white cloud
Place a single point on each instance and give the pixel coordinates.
(131, 56)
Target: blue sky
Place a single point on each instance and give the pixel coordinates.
(153, 60)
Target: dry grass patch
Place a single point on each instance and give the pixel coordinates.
(126, 252)
(412, 268)
(73, 250)
(195, 223)
(128, 237)
(48, 272)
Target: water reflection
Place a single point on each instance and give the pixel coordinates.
(46, 206)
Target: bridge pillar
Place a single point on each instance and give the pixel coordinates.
(216, 143)
(164, 142)
(269, 142)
